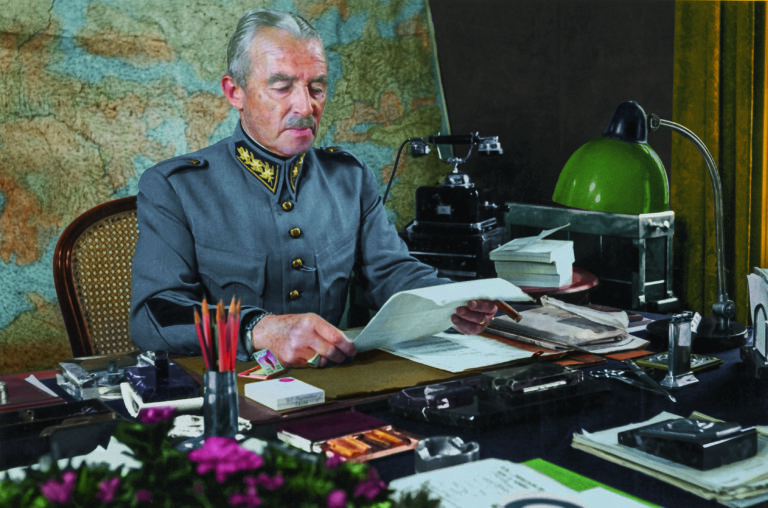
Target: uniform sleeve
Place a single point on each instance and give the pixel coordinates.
(166, 288)
(385, 264)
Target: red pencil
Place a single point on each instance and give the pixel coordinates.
(221, 336)
(203, 345)
(207, 332)
(232, 331)
(235, 332)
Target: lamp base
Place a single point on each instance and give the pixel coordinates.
(707, 338)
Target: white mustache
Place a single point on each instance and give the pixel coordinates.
(301, 122)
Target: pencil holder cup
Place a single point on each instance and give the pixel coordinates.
(221, 406)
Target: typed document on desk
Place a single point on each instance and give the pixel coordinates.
(426, 311)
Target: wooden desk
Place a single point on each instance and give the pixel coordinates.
(728, 393)
(373, 376)
(23, 395)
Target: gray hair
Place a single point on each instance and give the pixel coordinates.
(238, 49)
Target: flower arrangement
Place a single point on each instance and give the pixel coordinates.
(219, 473)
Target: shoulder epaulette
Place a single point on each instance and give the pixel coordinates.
(182, 162)
(338, 152)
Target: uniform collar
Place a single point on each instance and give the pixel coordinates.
(274, 172)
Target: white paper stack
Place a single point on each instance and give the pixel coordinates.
(284, 393)
(540, 263)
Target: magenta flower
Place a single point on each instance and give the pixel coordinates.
(371, 487)
(107, 490)
(247, 500)
(337, 499)
(250, 498)
(60, 492)
(270, 482)
(144, 496)
(153, 415)
(224, 456)
(333, 461)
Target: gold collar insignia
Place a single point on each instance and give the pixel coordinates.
(296, 170)
(266, 173)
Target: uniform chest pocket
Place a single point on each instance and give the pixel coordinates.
(335, 262)
(225, 274)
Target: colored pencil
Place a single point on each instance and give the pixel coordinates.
(219, 343)
(201, 338)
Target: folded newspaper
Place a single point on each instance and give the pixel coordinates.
(563, 326)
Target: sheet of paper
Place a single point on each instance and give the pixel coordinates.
(32, 379)
(456, 352)
(495, 482)
(480, 483)
(617, 319)
(427, 311)
(519, 243)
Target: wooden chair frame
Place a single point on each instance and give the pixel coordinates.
(73, 310)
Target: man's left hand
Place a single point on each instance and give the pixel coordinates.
(473, 317)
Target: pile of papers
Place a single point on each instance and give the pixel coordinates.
(562, 326)
(535, 262)
(742, 483)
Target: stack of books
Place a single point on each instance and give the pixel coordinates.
(541, 263)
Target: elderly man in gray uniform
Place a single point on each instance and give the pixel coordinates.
(265, 217)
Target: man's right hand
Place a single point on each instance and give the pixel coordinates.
(297, 338)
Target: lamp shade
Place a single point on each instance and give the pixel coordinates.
(617, 172)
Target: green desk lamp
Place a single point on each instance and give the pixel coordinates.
(619, 172)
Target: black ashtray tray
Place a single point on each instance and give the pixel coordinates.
(516, 383)
(695, 443)
(450, 394)
(61, 431)
(498, 397)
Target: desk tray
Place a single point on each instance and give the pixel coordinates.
(474, 403)
(61, 430)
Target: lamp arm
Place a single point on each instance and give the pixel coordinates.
(723, 309)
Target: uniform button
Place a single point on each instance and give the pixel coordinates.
(293, 294)
(295, 232)
(297, 263)
(287, 206)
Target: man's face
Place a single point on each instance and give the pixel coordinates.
(282, 103)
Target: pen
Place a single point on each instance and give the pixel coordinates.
(508, 310)
(648, 379)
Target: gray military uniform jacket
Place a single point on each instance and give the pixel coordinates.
(283, 236)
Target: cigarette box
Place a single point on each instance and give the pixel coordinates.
(284, 393)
